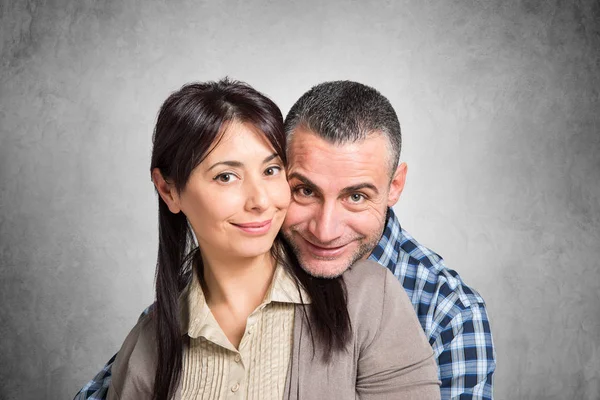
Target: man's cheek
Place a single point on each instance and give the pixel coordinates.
(367, 224)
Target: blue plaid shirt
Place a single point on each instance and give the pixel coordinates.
(452, 315)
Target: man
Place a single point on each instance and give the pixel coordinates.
(344, 146)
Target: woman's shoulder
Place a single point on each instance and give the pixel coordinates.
(367, 283)
(143, 337)
(394, 355)
(374, 295)
(134, 368)
(365, 270)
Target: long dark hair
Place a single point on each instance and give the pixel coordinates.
(189, 122)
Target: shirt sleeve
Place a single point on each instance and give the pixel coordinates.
(97, 388)
(398, 362)
(466, 356)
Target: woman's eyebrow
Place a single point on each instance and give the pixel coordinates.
(238, 164)
(228, 163)
(270, 158)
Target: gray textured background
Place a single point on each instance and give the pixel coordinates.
(500, 110)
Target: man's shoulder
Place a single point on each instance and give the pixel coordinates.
(438, 294)
(452, 314)
(432, 287)
(423, 270)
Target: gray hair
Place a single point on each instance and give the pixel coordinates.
(346, 112)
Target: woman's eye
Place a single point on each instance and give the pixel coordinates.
(225, 177)
(272, 171)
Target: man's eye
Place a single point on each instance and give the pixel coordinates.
(303, 191)
(356, 198)
(306, 192)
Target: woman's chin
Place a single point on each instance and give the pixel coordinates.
(251, 250)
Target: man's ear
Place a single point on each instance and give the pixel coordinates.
(397, 184)
(167, 191)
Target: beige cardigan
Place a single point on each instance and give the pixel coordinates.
(388, 357)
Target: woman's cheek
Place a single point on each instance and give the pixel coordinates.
(285, 195)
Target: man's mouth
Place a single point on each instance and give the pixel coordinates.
(327, 252)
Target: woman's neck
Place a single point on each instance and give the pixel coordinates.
(232, 280)
(235, 288)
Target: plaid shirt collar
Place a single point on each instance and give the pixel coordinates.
(387, 250)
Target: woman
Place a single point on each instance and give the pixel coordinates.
(235, 314)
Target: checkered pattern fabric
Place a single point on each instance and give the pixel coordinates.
(452, 315)
(97, 388)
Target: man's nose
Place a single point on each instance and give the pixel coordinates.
(326, 226)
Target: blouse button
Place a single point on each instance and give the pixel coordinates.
(237, 358)
(235, 388)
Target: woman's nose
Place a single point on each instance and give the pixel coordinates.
(257, 197)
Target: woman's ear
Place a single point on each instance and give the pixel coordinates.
(167, 191)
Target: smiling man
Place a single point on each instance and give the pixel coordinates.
(339, 209)
(344, 143)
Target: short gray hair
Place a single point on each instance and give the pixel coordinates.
(346, 112)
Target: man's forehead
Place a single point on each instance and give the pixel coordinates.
(337, 166)
(307, 145)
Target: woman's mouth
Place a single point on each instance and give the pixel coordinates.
(254, 228)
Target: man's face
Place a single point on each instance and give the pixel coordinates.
(340, 196)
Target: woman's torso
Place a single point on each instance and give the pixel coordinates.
(388, 356)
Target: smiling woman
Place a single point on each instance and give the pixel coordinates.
(235, 313)
(236, 198)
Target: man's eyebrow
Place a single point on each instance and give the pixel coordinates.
(360, 186)
(238, 164)
(303, 179)
(348, 189)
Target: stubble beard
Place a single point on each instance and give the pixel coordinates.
(363, 251)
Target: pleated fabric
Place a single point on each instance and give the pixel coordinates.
(257, 371)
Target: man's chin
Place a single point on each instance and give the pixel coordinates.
(326, 264)
(323, 268)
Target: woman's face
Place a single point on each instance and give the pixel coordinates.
(237, 197)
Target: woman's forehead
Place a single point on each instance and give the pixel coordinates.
(239, 138)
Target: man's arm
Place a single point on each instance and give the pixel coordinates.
(97, 388)
(466, 356)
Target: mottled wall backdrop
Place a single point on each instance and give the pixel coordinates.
(500, 110)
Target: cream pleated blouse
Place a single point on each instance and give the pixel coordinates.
(214, 369)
